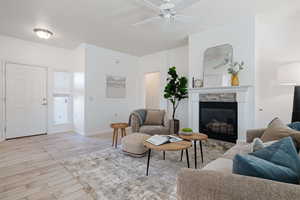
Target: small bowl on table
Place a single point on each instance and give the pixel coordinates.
(186, 131)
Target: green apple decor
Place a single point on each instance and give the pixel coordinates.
(175, 91)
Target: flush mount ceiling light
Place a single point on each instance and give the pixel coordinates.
(43, 33)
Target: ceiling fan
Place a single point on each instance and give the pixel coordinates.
(166, 11)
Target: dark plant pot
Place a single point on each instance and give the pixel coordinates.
(174, 126)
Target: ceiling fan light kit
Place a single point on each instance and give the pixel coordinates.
(167, 11)
(43, 33)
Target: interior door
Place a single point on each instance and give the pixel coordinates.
(26, 100)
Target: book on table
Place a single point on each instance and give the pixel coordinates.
(163, 139)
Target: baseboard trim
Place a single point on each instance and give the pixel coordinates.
(99, 132)
(93, 133)
(62, 131)
(241, 141)
(79, 132)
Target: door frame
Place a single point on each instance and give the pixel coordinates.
(4, 92)
(145, 87)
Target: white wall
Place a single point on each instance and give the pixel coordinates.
(99, 110)
(1, 100)
(20, 51)
(277, 45)
(241, 36)
(160, 62)
(93, 112)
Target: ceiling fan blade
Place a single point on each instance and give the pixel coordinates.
(151, 5)
(182, 4)
(147, 21)
(184, 18)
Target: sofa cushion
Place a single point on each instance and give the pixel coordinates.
(249, 165)
(155, 130)
(279, 162)
(155, 117)
(295, 126)
(278, 130)
(221, 164)
(237, 149)
(281, 153)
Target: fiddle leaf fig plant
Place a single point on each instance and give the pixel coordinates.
(176, 89)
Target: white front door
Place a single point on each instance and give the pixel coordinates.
(26, 100)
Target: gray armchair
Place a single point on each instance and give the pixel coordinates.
(138, 126)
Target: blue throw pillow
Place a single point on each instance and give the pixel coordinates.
(295, 126)
(279, 162)
(281, 153)
(248, 165)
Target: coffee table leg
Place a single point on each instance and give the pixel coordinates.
(148, 162)
(187, 158)
(200, 142)
(195, 149)
(164, 155)
(181, 155)
(116, 138)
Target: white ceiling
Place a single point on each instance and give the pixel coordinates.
(107, 23)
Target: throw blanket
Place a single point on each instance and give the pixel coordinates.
(141, 114)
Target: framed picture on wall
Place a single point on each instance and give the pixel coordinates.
(115, 86)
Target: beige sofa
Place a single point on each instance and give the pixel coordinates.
(216, 181)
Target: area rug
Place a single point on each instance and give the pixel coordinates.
(109, 174)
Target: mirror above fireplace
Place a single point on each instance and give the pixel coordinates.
(215, 65)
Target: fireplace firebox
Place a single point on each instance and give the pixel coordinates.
(219, 120)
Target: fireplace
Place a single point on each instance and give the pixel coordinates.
(219, 120)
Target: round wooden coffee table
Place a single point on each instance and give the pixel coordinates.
(116, 127)
(175, 146)
(195, 137)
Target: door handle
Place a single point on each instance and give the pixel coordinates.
(44, 102)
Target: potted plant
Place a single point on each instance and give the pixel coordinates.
(234, 69)
(175, 91)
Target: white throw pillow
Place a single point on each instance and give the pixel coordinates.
(258, 144)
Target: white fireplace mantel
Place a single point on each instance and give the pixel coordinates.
(242, 98)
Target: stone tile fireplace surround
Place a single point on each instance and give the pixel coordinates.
(240, 94)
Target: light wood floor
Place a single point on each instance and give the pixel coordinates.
(30, 168)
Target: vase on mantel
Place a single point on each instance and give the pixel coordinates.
(235, 80)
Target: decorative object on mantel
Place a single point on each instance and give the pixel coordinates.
(234, 69)
(215, 63)
(197, 83)
(175, 91)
